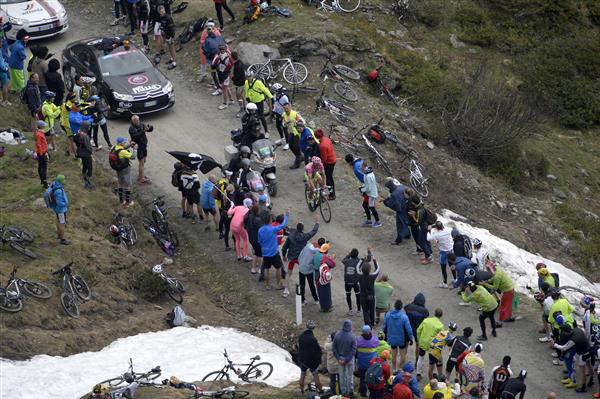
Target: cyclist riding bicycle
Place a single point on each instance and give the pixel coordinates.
(314, 174)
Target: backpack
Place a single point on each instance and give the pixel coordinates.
(556, 279)
(175, 178)
(376, 135)
(49, 197)
(430, 216)
(468, 246)
(200, 24)
(374, 374)
(176, 317)
(115, 162)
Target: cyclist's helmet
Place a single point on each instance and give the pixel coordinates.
(157, 269)
(245, 163)
(114, 230)
(277, 86)
(560, 320)
(372, 76)
(128, 378)
(264, 5)
(299, 123)
(251, 107)
(250, 74)
(470, 272)
(245, 150)
(95, 98)
(316, 160)
(476, 242)
(453, 326)
(587, 300)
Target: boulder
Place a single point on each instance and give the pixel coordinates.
(551, 177)
(559, 194)
(456, 42)
(251, 53)
(39, 203)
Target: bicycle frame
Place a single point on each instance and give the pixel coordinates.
(332, 7)
(230, 365)
(15, 293)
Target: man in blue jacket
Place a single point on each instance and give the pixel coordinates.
(293, 245)
(267, 238)
(397, 202)
(16, 61)
(462, 267)
(60, 205)
(413, 384)
(76, 118)
(357, 168)
(344, 350)
(399, 333)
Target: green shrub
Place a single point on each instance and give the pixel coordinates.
(148, 285)
(536, 163)
(575, 220)
(593, 8)
(476, 25)
(430, 12)
(563, 73)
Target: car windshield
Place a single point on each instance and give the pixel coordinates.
(123, 63)
(12, 1)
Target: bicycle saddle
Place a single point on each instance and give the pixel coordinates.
(267, 54)
(156, 369)
(257, 357)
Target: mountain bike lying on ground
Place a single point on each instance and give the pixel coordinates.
(122, 231)
(159, 216)
(417, 180)
(75, 290)
(174, 287)
(253, 372)
(162, 240)
(146, 378)
(339, 5)
(225, 393)
(11, 299)
(338, 72)
(14, 237)
(375, 77)
(340, 111)
(293, 72)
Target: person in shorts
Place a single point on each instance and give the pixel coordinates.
(191, 184)
(223, 64)
(208, 203)
(4, 74)
(268, 241)
(60, 206)
(167, 30)
(137, 132)
(239, 80)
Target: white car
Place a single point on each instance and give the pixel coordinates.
(40, 18)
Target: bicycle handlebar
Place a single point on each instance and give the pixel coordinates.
(63, 269)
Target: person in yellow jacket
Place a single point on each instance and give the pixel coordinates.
(546, 277)
(502, 283)
(257, 93)
(290, 118)
(488, 304)
(50, 112)
(436, 386)
(65, 110)
(560, 306)
(383, 345)
(427, 330)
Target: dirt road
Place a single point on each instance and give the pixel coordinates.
(195, 124)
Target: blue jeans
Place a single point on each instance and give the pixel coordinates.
(347, 378)
(569, 363)
(401, 229)
(333, 380)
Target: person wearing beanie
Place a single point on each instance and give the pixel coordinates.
(50, 112)
(124, 175)
(41, 150)
(56, 198)
(33, 98)
(344, 349)
(309, 356)
(240, 235)
(16, 61)
(327, 154)
(500, 374)
(366, 345)
(397, 202)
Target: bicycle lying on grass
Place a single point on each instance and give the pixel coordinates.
(338, 72)
(339, 5)
(225, 393)
(159, 216)
(75, 290)
(146, 378)
(253, 372)
(162, 239)
(122, 231)
(14, 237)
(293, 72)
(340, 111)
(174, 287)
(11, 299)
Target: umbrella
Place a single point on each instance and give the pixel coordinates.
(201, 162)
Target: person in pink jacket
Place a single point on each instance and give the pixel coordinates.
(210, 27)
(240, 234)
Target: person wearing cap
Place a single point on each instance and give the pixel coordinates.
(50, 112)
(137, 132)
(267, 239)
(257, 93)
(280, 98)
(85, 152)
(402, 389)
(224, 193)
(383, 293)
(323, 265)
(61, 206)
(376, 391)
(240, 235)
(209, 28)
(544, 298)
(366, 347)
(309, 356)
(575, 349)
(124, 175)
(306, 135)
(98, 110)
(497, 381)
(4, 68)
(488, 304)
(16, 61)
(221, 5)
(292, 247)
(222, 63)
(33, 99)
(41, 150)
(397, 202)
(443, 237)
(76, 118)
(399, 333)
(290, 119)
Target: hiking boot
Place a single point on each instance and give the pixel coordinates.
(571, 385)
(482, 338)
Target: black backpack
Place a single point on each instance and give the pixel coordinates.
(468, 247)
(431, 217)
(556, 279)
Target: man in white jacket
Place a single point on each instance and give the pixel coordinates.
(445, 242)
(369, 189)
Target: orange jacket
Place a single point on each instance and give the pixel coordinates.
(41, 145)
(327, 150)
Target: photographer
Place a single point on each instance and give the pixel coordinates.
(138, 131)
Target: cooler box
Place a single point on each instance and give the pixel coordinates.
(230, 153)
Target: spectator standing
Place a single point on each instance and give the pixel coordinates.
(333, 367)
(210, 48)
(16, 61)
(253, 222)
(224, 195)
(143, 12)
(4, 69)
(397, 202)
(462, 244)
(418, 215)
(376, 391)
(131, 12)
(257, 93)
(325, 276)
(443, 237)
(239, 80)
(191, 186)
(167, 26)
(366, 282)
(280, 98)
(344, 350)
(33, 98)
(383, 292)
(119, 8)
(137, 132)
(399, 333)
(55, 82)
(516, 386)
(293, 246)
(208, 203)
(370, 190)
(50, 113)
(290, 119)
(223, 64)
(309, 356)
(41, 151)
(84, 153)
(267, 239)
(60, 205)
(366, 348)
(352, 265)
(209, 31)
(176, 182)
(416, 312)
(306, 270)
(328, 156)
(73, 119)
(426, 331)
(221, 5)
(499, 377)
(240, 235)
(98, 111)
(39, 64)
(124, 175)
(458, 346)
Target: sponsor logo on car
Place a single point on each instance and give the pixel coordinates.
(142, 89)
(137, 80)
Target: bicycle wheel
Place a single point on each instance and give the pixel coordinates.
(19, 248)
(388, 93)
(81, 288)
(69, 304)
(348, 5)
(344, 120)
(36, 289)
(174, 293)
(172, 236)
(344, 109)
(307, 89)
(346, 72)
(260, 371)
(20, 233)
(11, 305)
(175, 283)
(150, 376)
(113, 382)
(216, 376)
(234, 394)
(309, 201)
(345, 91)
(295, 73)
(419, 186)
(261, 71)
(325, 209)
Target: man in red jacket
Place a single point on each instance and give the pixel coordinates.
(376, 391)
(41, 150)
(328, 158)
(402, 390)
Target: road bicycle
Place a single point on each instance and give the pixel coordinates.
(75, 290)
(159, 215)
(174, 287)
(338, 72)
(340, 111)
(163, 241)
(385, 90)
(417, 180)
(318, 200)
(11, 299)
(259, 371)
(125, 234)
(294, 73)
(380, 159)
(340, 5)
(347, 143)
(225, 393)
(14, 237)
(146, 378)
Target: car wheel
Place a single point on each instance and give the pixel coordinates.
(68, 78)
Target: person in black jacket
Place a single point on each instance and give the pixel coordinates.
(239, 80)
(253, 222)
(352, 265)
(137, 131)
(55, 82)
(143, 12)
(33, 99)
(309, 356)
(515, 386)
(366, 281)
(293, 245)
(97, 110)
(167, 27)
(416, 312)
(457, 346)
(85, 152)
(462, 244)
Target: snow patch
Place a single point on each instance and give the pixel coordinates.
(519, 263)
(188, 353)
